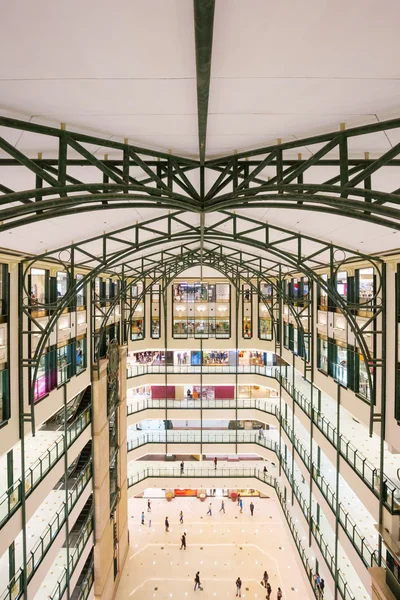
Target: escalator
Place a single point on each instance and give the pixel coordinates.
(85, 574)
(79, 464)
(80, 523)
(74, 408)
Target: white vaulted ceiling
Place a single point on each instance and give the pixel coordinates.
(127, 69)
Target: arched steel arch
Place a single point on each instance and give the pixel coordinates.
(106, 262)
(141, 177)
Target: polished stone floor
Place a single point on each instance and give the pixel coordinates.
(222, 547)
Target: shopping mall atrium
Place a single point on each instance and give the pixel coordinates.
(200, 300)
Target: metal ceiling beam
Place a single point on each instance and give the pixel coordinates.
(203, 30)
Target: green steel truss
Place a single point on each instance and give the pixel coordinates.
(127, 176)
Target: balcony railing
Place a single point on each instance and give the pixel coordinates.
(364, 469)
(204, 437)
(148, 369)
(14, 589)
(74, 556)
(153, 403)
(10, 501)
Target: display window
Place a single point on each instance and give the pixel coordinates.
(200, 310)
(363, 383)
(39, 287)
(323, 296)
(4, 394)
(322, 354)
(156, 357)
(366, 288)
(340, 365)
(295, 288)
(81, 293)
(80, 355)
(341, 284)
(97, 290)
(107, 290)
(64, 363)
(3, 290)
(247, 312)
(62, 284)
(216, 357)
(155, 303)
(306, 286)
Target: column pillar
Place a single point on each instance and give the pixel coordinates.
(103, 550)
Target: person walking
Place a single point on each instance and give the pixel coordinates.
(209, 512)
(239, 587)
(321, 588)
(279, 594)
(142, 518)
(197, 581)
(166, 524)
(241, 505)
(222, 506)
(148, 505)
(269, 591)
(238, 499)
(182, 467)
(183, 541)
(265, 579)
(215, 462)
(181, 518)
(251, 508)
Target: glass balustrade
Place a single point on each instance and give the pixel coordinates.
(138, 370)
(87, 583)
(10, 501)
(150, 403)
(15, 588)
(205, 437)
(75, 554)
(36, 555)
(368, 473)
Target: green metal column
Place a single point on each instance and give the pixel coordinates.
(10, 481)
(203, 30)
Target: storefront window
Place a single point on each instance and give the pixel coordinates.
(155, 297)
(39, 287)
(201, 310)
(138, 316)
(366, 287)
(62, 284)
(323, 296)
(4, 395)
(46, 377)
(341, 284)
(63, 364)
(363, 385)
(322, 355)
(80, 355)
(80, 294)
(107, 289)
(306, 286)
(247, 312)
(339, 367)
(295, 288)
(3, 289)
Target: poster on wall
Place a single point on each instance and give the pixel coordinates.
(185, 492)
